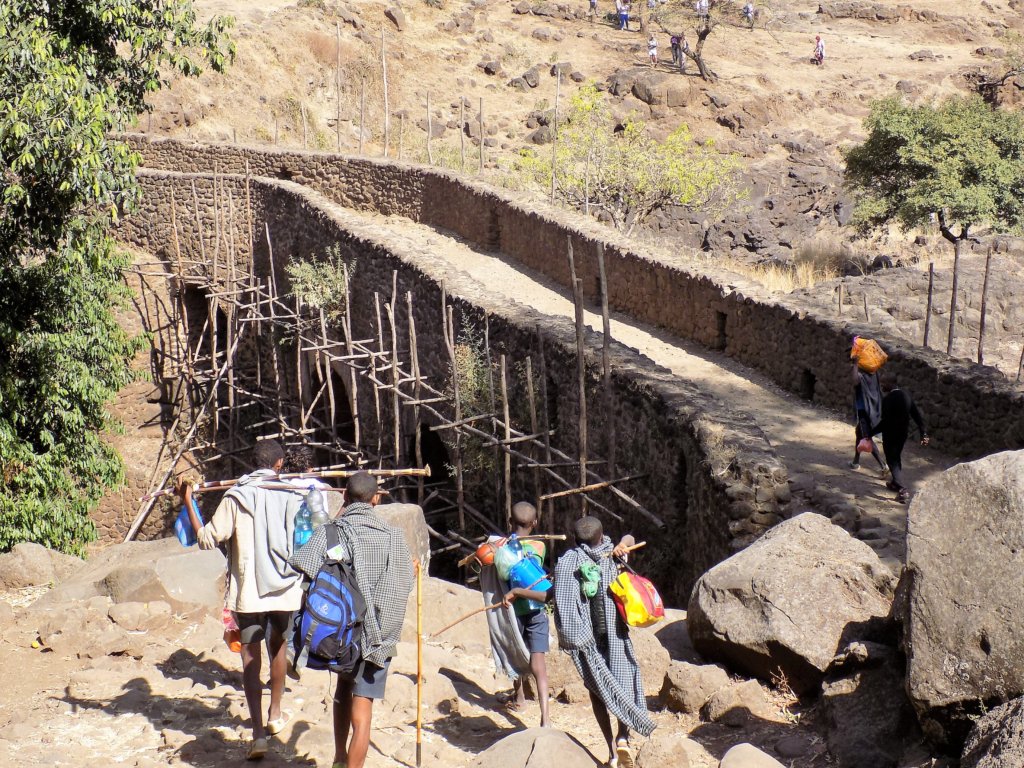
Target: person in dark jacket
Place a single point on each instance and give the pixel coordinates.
(868, 405)
(898, 408)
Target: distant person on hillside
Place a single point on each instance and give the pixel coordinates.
(898, 408)
(263, 589)
(703, 9)
(595, 635)
(684, 49)
(652, 49)
(593, 10)
(622, 9)
(748, 14)
(673, 44)
(819, 50)
(867, 393)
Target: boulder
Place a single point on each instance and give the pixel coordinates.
(397, 17)
(737, 705)
(997, 739)
(651, 88)
(536, 748)
(443, 603)
(674, 636)
(147, 571)
(688, 686)
(140, 617)
(960, 594)
(653, 659)
(868, 715)
(532, 76)
(518, 83)
(788, 602)
(543, 135)
(33, 565)
(748, 756)
(409, 518)
(666, 748)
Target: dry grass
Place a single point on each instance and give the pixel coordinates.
(784, 278)
(323, 48)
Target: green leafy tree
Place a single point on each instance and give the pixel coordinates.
(73, 73)
(619, 170)
(958, 166)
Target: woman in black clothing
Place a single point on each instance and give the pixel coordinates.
(898, 408)
(868, 403)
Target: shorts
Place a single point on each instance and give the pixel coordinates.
(533, 626)
(256, 627)
(369, 680)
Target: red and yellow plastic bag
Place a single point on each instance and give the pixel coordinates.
(637, 600)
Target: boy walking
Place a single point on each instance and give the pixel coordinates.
(534, 625)
(383, 568)
(898, 408)
(263, 589)
(593, 633)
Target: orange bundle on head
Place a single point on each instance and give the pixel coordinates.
(868, 354)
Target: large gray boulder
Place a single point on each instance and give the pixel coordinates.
(536, 748)
(960, 600)
(146, 572)
(33, 565)
(788, 602)
(748, 756)
(997, 739)
(408, 517)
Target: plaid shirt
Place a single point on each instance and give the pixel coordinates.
(383, 568)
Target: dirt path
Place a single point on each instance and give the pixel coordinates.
(816, 444)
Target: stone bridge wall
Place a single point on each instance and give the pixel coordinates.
(972, 410)
(710, 474)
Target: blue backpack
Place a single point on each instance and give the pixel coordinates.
(331, 621)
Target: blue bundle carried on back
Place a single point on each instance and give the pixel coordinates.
(183, 526)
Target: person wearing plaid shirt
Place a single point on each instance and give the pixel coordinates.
(383, 568)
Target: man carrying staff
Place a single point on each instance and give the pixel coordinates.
(593, 633)
(383, 567)
(263, 589)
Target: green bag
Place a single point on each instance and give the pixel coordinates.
(590, 579)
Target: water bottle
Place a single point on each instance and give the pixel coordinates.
(317, 510)
(303, 527)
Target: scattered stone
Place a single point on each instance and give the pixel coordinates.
(33, 565)
(748, 756)
(651, 88)
(543, 135)
(519, 84)
(791, 747)
(535, 748)
(922, 55)
(687, 687)
(736, 705)
(140, 617)
(997, 739)
(665, 749)
(790, 600)
(577, 76)
(563, 67)
(397, 17)
(532, 77)
(960, 594)
(541, 33)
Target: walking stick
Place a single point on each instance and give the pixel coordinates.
(419, 662)
(628, 549)
(481, 609)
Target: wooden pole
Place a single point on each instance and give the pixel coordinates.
(953, 298)
(376, 389)
(430, 130)
(299, 397)
(481, 133)
(362, 111)
(507, 454)
(984, 307)
(401, 135)
(419, 661)
(590, 487)
(449, 323)
(867, 316)
(337, 84)
(384, 75)
(581, 371)
(546, 426)
(329, 373)
(275, 130)
(606, 329)
(531, 396)
(554, 140)
(349, 346)
(462, 133)
(491, 399)
(305, 142)
(396, 414)
(840, 312)
(414, 359)
(1020, 364)
(928, 308)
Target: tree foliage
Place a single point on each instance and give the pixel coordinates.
(619, 170)
(959, 164)
(699, 23)
(73, 73)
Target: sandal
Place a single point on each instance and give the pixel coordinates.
(257, 749)
(624, 754)
(274, 727)
(903, 496)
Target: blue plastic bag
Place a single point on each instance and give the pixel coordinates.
(183, 526)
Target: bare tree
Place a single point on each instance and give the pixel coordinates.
(702, 18)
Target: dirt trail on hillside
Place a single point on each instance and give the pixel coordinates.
(816, 444)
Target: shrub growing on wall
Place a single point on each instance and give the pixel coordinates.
(72, 74)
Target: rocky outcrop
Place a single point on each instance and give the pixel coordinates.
(33, 565)
(997, 739)
(960, 597)
(536, 748)
(748, 756)
(688, 686)
(789, 602)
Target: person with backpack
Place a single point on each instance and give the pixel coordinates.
(595, 635)
(263, 589)
(819, 51)
(898, 408)
(369, 562)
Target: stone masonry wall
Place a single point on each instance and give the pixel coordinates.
(973, 410)
(711, 476)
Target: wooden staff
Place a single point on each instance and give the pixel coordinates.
(984, 307)
(628, 549)
(588, 488)
(483, 609)
(218, 485)
(928, 309)
(419, 661)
